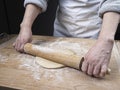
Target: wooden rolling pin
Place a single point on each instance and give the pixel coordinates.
(65, 57)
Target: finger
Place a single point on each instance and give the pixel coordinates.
(14, 44)
(103, 71)
(96, 71)
(18, 46)
(90, 69)
(84, 66)
(22, 48)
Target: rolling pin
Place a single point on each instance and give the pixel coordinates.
(62, 56)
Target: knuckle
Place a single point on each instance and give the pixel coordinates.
(89, 73)
(83, 69)
(102, 74)
(18, 49)
(95, 73)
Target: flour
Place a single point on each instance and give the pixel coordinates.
(37, 71)
(78, 48)
(3, 58)
(28, 62)
(53, 49)
(75, 47)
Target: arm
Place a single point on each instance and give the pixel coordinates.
(33, 8)
(25, 34)
(98, 57)
(30, 15)
(109, 26)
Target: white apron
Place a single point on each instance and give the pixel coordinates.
(78, 18)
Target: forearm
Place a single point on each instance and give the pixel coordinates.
(97, 58)
(109, 26)
(30, 15)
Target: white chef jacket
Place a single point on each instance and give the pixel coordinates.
(79, 18)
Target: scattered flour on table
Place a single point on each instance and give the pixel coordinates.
(78, 48)
(3, 58)
(38, 72)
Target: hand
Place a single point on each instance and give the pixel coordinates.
(24, 37)
(97, 59)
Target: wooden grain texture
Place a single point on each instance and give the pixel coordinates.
(22, 72)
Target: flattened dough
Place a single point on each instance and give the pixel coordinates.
(48, 64)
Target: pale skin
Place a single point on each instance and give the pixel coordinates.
(97, 58)
(25, 34)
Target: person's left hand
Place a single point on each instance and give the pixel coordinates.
(97, 59)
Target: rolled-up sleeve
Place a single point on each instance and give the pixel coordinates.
(109, 6)
(40, 3)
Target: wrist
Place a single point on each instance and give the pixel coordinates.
(106, 40)
(25, 28)
(25, 25)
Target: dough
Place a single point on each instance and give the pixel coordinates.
(48, 64)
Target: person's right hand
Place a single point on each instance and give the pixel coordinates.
(25, 36)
